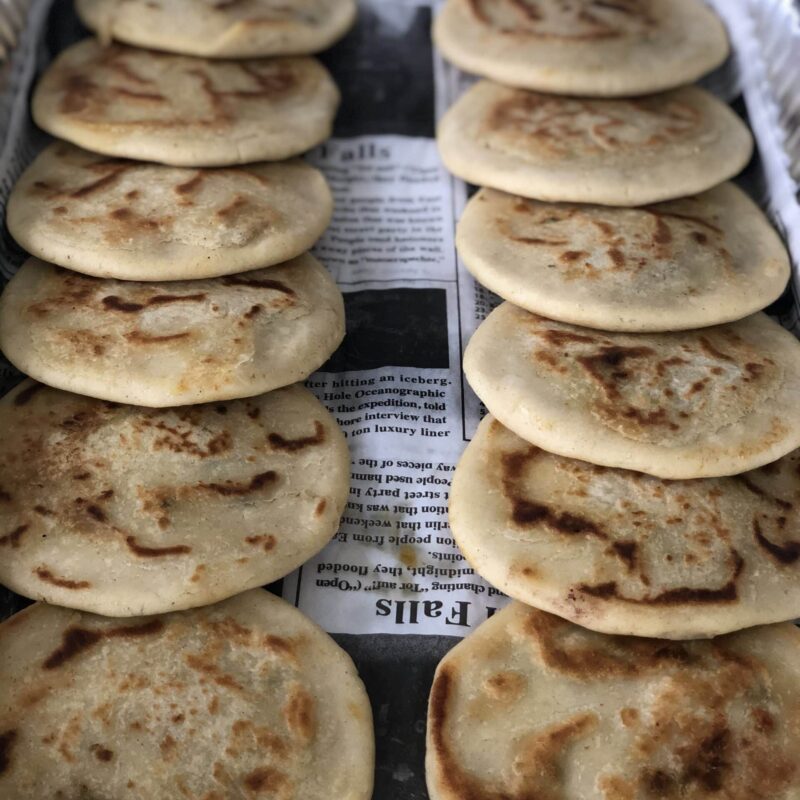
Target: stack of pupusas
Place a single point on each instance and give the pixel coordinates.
(636, 486)
(165, 462)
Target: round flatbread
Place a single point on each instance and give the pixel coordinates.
(683, 264)
(648, 557)
(188, 112)
(116, 218)
(221, 28)
(580, 150)
(695, 404)
(236, 701)
(531, 706)
(168, 344)
(587, 47)
(122, 510)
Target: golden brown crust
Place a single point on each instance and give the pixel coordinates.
(197, 705)
(604, 48)
(118, 508)
(584, 21)
(657, 394)
(620, 152)
(221, 28)
(552, 128)
(614, 717)
(173, 109)
(653, 557)
(118, 218)
(689, 404)
(163, 344)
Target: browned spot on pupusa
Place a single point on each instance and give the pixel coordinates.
(679, 595)
(751, 486)
(535, 772)
(12, 539)
(526, 513)
(562, 338)
(453, 776)
(231, 210)
(78, 92)
(645, 235)
(266, 542)
(584, 21)
(712, 350)
(131, 94)
(629, 717)
(234, 489)
(785, 553)
(258, 283)
(208, 667)
(116, 82)
(561, 127)
(102, 183)
(537, 768)
(8, 739)
(71, 289)
(137, 337)
(192, 185)
(96, 513)
(45, 575)
(591, 658)
(571, 256)
(627, 551)
(186, 437)
(652, 391)
(247, 736)
(156, 552)
(115, 303)
(281, 646)
(26, 395)
(267, 781)
(505, 686)
(610, 366)
(101, 753)
(111, 58)
(167, 748)
(76, 640)
(299, 713)
(279, 442)
(695, 742)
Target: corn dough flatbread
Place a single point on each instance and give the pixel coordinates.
(583, 47)
(221, 28)
(645, 556)
(531, 706)
(183, 111)
(122, 510)
(583, 150)
(115, 218)
(173, 343)
(687, 263)
(694, 404)
(242, 700)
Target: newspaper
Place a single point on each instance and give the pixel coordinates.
(396, 384)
